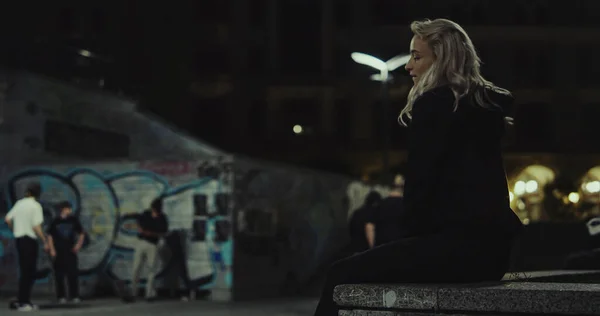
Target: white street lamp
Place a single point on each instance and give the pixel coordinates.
(384, 76)
(384, 67)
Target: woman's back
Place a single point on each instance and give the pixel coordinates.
(456, 202)
(455, 178)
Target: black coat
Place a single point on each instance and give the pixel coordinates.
(455, 177)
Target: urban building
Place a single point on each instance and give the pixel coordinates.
(292, 67)
(274, 79)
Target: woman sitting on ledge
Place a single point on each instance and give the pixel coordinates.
(457, 218)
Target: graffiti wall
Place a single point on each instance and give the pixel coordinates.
(107, 196)
(291, 222)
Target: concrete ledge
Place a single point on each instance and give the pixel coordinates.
(394, 313)
(407, 297)
(556, 276)
(523, 297)
(385, 313)
(503, 298)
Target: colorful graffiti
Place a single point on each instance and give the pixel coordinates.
(107, 196)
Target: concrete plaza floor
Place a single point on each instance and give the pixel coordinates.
(284, 307)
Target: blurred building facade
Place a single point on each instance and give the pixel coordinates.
(242, 73)
(290, 65)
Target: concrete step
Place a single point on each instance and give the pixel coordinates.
(558, 276)
(515, 295)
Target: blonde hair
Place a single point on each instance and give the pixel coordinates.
(456, 63)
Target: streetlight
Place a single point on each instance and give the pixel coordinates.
(384, 76)
(384, 67)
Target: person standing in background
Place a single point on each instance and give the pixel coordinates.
(384, 225)
(360, 231)
(176, 241)
(25, 220)
(66, 237)
(152, 226)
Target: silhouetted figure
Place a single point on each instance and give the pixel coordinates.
(66, 237)
(385, 222)
(176, 241)
(359, 220)
(457, 225)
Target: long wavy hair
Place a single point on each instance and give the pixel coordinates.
(456, 63)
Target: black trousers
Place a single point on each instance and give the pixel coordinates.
(66, 266)
(175, 244)
(440, 258)
(27, 249)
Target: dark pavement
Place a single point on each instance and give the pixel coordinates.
(289, 307)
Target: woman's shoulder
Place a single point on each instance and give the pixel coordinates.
(439, 92)
(444, 95)
(438, 99)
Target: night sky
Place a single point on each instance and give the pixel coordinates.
(211, 67)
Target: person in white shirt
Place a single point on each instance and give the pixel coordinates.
(26, 219)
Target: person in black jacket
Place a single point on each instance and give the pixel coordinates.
(358, 225)
(457, 223)
(384, 224)
(66, 237)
